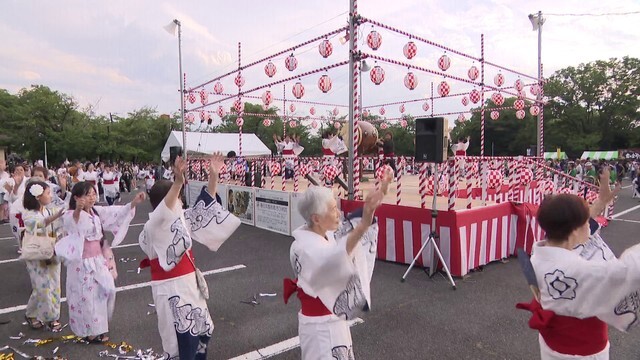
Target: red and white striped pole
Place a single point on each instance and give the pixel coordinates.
(253, 174)
(399, 181)
(295, 175)
(423, 185)
(453, 184)
(282, 173)
(241, 110)
(263, 170)
(541, 114)
(273, 176)
(482, 95)
(469, 180)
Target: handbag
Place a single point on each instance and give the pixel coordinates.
(38, 247)
(200, 281)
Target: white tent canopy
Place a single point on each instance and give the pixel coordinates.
(604, 155)
(208, 143)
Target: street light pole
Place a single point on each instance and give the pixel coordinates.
(537, 21)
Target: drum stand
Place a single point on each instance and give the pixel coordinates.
(431, 240)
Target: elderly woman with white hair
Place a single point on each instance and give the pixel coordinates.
(333, 262)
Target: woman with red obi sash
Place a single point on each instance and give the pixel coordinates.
(333, 263)
(581, 285)
(179, 289)
(332, 145)
(290, 148)
(460, 149)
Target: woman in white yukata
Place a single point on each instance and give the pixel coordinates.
(43, 308)
(179, 291)
(333, 263)
(91, 290)
(581, 286)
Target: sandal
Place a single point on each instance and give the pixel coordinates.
(100, 339)
(55, 326)
(34, 323)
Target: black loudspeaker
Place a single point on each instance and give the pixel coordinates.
(174, 152)
(431, 144)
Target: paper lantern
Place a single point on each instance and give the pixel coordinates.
(425, 106)
(401, 108)
(203, 115)
(324, 83)
(524, 175)
(383, 126)
(325, 48)
(382, 171)
(190, 118)
(293, 124)
(494, 179)
(410, 50)
(218, 88)
(518, 85)
(337, 125)
(237, 105)
(274, 168)
(377, 75)
(291, 63)
(267, 97)
(239, 80)
(497, 99)
(443, 89)
(374, 40)
(192, 97)
(534, 89)
(266, 122)
(403, 123)
(204, 97)
(221, 112)
(270, 69)
(473, 73)
(498, 80)
(591, 197)
(495, 115)
(312, 110)
(239, 121)
(518, 104)
(534, 110)
(330, 172)
(461, 118)
(474, 96)
(292, 107)
(335, 111)
(465, 101)
(298, 90)
(382, 111)
(520, 114)
(410, 81)
(444, 62)
(522, 94)
(314, 124)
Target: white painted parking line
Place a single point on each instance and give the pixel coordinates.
(626, 211)
(625, 220)
(279, 348)
(130, 287)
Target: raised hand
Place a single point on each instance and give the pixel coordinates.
(138, 199)
(62, 182)
(179, 168)
(386, 180)
(80, 203)
(216, 162)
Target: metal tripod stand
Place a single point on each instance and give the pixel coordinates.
(431, 240)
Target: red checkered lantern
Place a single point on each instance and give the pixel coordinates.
(443, 89)
(239, 121)
(534, 89)
(474, 96)
(410, 50)
(274, 168)
(518, 104)
(374, 40)
(312, 110)
(495, 115)
(473, 73)
(298, 90)
(444, 62)
(465, 101)
(425, 106)
(239, 80)
(565, 190)
(291, 63)
(498, 80)
(410, 81)
(292, 107)
(461, 118)
(314, 124)
(401, 108)
(190, 118)
(270, 69)
(324, 83)
(218, 88)
(384, 126)
(267, 97)
(382, 171)
(325, 48)
(293, 124)
(518, 85)
(337, 125)
(330, 172)
(382, 111)
(520, 114)
(203, 115)
(522, 94)
(591, 197)
(237, 105)
(192, 97)
(524, 175)
(266, 122)
(403, 123)
(335, 111)
(220, 111)
(497, 99)
(534, 110)
(204, 97)
(377, 75)
(494, 179)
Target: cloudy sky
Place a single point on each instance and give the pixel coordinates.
(116, 56)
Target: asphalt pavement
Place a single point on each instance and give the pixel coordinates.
(422, 318)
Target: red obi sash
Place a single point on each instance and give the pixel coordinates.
(326, 151)
(287, 152)
(183, 267)
(109, 182)
(565, 334)
(310, 306)
(461, 153)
